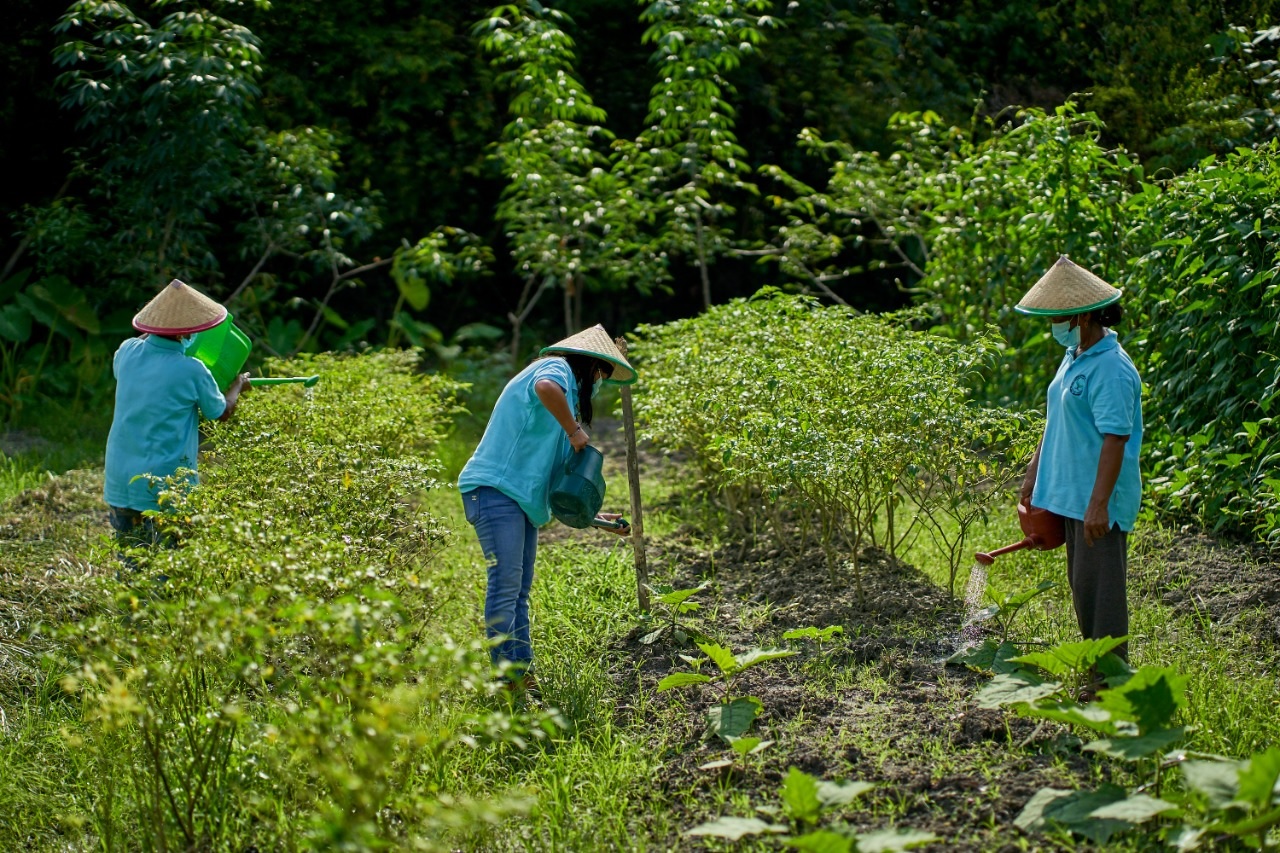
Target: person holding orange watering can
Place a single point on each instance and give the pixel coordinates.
(161, 394)
(1086, 467)
(540, 418)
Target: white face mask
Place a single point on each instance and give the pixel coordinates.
(595, 387)
(1065, 335)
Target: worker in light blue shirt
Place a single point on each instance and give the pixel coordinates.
(161, 394)
(1086, 467)
(540, 418)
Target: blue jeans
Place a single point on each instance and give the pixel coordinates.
(510, 544)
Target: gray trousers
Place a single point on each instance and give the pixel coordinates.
(1097, 574)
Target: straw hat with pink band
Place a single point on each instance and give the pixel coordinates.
(1067, 289)
(596, 343)
(178, 310)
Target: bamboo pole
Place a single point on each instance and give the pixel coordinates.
(633, 479)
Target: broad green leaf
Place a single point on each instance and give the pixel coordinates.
(413, 288)
(736, 828)
(990, 656)
(1013, 687)
(678, 596)
(841, 793)
(822, 841)
(1150, 698)
(1137, 808)
(746, 660)
(653, 636)
(68, 300)
(893, 840)
(1218, 781)
(1071, 658)
(734, 718)
(682, 679)
(15, 324)
(1135, 748)
(800, 796)
(745, 746)
(719, 655)
(1260, 779)
(1016, 600)
(1091, 716)
(1073, 810)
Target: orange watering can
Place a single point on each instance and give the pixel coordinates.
(1044, 530)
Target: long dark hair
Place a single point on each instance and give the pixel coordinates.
(584, 369)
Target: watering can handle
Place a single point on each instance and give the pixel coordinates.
(307, 381)
(620, 524)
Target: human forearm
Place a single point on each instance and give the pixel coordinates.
(233, 395)
(1029, 479)
(553, 398)
(1097, 519)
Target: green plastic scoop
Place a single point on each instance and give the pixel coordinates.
(307, 381)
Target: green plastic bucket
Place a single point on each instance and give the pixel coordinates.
(578, 493)
(223, 349)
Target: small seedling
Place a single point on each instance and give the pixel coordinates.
(672, 604)
(734, 714)
(743, 748)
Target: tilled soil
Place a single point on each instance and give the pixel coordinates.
(908, 725)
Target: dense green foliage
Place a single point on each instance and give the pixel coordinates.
(304, 701)
(818, 416)
(340, 174)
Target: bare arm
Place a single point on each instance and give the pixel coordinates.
(232, 396)
(553, 397)
(1097, 519)
(1029, 480)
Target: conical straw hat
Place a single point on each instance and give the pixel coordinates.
(179, 309)
(596, 342)
(1066, 289)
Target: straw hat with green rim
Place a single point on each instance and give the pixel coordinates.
(1067, 289)
(596, 342)
(179, 309)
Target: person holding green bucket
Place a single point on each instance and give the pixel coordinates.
(539, 422)
(161, 394)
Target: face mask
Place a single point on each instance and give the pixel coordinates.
(186, 341)
(1065, 335)
(595, 387)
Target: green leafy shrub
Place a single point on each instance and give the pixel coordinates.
(823, 418)
(300, 703)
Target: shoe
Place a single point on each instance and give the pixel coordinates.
(521, 685)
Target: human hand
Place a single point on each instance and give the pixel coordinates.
(1097, 523)
(580, 438)
(242, 381)
(1024, 495)
(624, 530)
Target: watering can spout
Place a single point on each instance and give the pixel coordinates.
(1043, 530)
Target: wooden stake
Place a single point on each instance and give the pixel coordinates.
(633, 478)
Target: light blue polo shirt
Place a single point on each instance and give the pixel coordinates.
(160, 395)
(1095, 393)
(523, 446)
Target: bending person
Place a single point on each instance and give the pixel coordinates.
(542, 416)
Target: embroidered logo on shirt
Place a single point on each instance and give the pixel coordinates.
(1077, 386)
